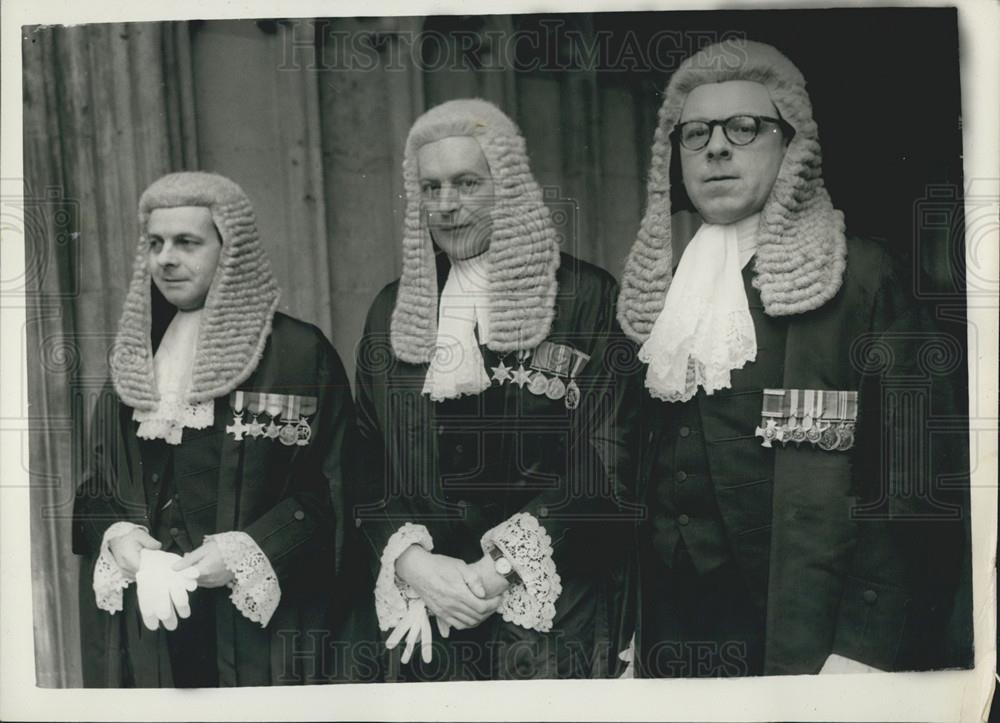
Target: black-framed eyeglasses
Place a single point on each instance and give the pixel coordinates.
(740, 130)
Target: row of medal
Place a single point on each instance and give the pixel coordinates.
(559, 360)
(823, 418)
(286, 416)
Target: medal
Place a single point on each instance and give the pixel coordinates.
(810, 407)
(572, 390)
(501, 373)
(846, 437)
(538, 384)
(255, 429)
(848, 415)
(769, 433)
(272, 430)
(272, 405)
(254, 405)
(572, 395)
(794, 431)
(812, 404)
(828, 438)
(307, 406)
(288, 434)
(521, 376)
(303, 432)
(773, 410)
(555, 389)
(237, 428)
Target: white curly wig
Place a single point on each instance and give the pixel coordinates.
(801, 252)
(523, 254)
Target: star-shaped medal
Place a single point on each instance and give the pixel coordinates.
(501, 372)
(271, 430)
(255, 429)
(521, 376)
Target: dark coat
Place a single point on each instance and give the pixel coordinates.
(857, 553)
(463, 466)
(289, 499)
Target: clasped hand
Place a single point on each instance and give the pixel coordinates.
(459, 595)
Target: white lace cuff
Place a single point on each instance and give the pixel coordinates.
(392, 595)
(255, 589)
(171, 416)
(526, 544)
(109, 578)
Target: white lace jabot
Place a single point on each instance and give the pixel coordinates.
(457, 367)
(704, 330)
(172, 366)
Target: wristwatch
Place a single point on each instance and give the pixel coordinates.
(503, 567)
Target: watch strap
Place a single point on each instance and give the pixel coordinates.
(512, 577)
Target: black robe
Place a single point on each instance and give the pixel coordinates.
(463, 466)
(289, 499)
(863, 553)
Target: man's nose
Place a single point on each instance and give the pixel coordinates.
(718, 145)
(167, 255)
(447, 200)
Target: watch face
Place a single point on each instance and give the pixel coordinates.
(503, 566)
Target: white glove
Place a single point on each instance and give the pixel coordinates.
(416, 626)
(162, 591)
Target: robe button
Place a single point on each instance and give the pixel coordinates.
(174, 532)
(681, 475)
(870, 596)
(155, 477)
(684, 519)
(299, 515)
(684, 431)
(543, 512)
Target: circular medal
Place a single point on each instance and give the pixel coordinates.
(828, 439)
(797, 434)
(572, 395)
(845, 438)
(813, 434)
(555, 389)
(538, 384)
(303, 433)
(288, 435)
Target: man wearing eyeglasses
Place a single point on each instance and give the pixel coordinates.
(784, 535)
